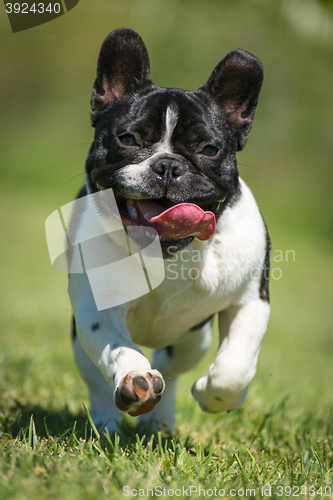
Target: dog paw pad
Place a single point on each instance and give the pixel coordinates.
(158, 385)
(138, 394)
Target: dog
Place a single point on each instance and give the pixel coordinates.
(169, 156)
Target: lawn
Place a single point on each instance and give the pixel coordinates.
(282, 437)
(280, 443)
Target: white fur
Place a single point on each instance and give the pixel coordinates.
(171, 119)
(228, 267)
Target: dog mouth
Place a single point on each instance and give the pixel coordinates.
(174, 223)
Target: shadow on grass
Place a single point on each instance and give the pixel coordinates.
(15, 419)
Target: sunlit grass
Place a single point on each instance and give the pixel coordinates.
(282, 436)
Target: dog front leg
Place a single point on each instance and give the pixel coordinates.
(241, 332)
(106, 340)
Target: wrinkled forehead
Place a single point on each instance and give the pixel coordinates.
(169, 111)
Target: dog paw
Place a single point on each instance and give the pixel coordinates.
(138, 394)
(217, 399)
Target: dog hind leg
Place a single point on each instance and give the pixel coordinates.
(242, 329)
(171, 362)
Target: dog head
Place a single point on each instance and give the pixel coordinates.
(168, 154)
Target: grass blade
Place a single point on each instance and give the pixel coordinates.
(97, 434)
(32, 436)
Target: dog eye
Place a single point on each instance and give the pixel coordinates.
(209, 151)
(128, 140)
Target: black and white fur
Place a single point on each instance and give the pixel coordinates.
(175, 146)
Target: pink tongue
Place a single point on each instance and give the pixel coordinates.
(179, 221)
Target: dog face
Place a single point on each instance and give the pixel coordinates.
(168, 154)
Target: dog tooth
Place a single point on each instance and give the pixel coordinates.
(131, 209)
(219, 204)
(216, 206)
(149, 235)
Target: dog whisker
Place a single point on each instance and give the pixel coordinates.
(249, 166)
(77, 175)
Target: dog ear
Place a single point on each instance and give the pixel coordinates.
(123, 66)
(236, 83)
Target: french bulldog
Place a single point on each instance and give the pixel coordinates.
(169, 156)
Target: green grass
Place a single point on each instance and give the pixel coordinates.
(249, 450)
(282, 437)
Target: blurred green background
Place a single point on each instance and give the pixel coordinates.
(46, 78)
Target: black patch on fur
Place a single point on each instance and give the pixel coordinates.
(203, 323)
(264, 283)
(95, 326)
(73, 329)
(235, 197)
(120, 353)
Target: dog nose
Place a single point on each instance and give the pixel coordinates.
(167, 168)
